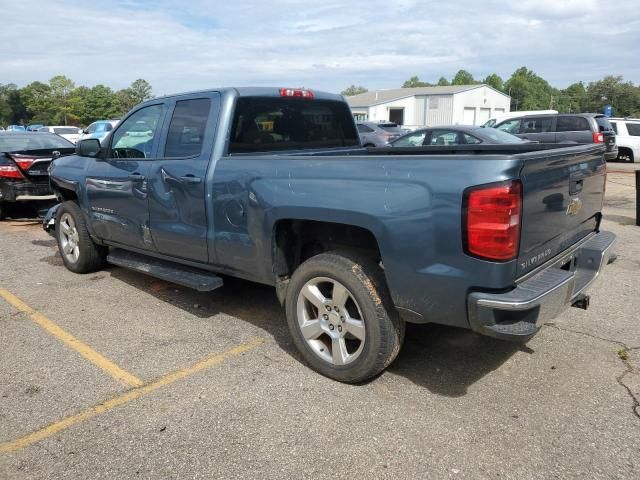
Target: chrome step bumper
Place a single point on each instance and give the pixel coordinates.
(519, 313)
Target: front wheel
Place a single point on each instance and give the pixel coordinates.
(341, 316)
(79, 252)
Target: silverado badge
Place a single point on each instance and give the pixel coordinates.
(575, 204)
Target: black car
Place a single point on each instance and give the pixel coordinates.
(564, 128)
(24, 163)
(456, 135)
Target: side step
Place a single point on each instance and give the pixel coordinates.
(195, 278)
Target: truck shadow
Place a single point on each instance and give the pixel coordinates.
(444, 360)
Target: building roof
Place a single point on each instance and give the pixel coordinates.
(377, 97)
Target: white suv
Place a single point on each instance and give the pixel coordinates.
(627, 138)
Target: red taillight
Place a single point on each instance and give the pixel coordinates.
(493, 221)
(23, 162)
(598, 137)
(9, 171)
(296, 92)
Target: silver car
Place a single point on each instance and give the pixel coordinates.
(98, 129)
(374, 134)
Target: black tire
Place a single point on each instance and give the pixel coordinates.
(366, 286)
(3, 210)
(90, 256)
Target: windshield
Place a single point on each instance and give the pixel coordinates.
(65, 130)
(32, 141)
(263, 124)
(499, 136)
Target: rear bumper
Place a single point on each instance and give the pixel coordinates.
(16, 191)
(611, 154)
(519, 314)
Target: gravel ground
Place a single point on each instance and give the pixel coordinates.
(454, 404)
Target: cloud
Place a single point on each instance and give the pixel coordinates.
(179, 46)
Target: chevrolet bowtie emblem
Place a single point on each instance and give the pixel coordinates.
(575, 204)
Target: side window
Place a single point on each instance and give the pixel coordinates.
(413, 140)
(633, 129)
(444, 137)
(187, 128)
(470, 139)
(536, 125)
(92, 128)
(108, 127)
(510, 126)
(134, 137)
(572, 124)
(614, 125)
(364, 129)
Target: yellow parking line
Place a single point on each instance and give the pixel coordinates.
(82, 348)
(127, 397)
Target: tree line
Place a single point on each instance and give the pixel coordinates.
(61, 102)
(529, 91)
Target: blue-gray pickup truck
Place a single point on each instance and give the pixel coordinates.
(272, 185)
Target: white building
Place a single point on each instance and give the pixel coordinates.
(429, 106)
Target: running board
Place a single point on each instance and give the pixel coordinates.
(195, 278)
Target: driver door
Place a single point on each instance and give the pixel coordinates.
(116, 186)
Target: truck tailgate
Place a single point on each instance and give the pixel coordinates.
(562, 199)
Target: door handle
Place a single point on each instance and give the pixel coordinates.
(136, 176)
(190, 179)
(185, 179)
(575, 187)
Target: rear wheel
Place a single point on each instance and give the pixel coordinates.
(3, 211)
(79, 252)
(625, 155)
(341, 316)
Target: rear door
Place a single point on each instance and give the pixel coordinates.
(573, 128)
(117, 186)
(538, 129)
(177, 204)
(563, 191)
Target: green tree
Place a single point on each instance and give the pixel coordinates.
(415, 82)
(100, 102)
(573, 99)
(38, 103)
(6, 112)
(612, 90)
(528, 91)
(352, 90)
(494, 80)
(61, 88)
(140, 90)
(463, 78)
(443, 82)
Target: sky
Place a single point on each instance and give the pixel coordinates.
(329, 45)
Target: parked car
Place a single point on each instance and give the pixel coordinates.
(564, 128)
(456, 135)
(16, 128)
(271, 185)
(98, 129)
(378, 134)
(627, 137)
(505, 115)
(34, 127)
(70, 133)
(24, 162)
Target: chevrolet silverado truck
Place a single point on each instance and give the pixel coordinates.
(272, 185)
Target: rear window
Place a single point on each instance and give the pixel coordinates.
(268, 124)
(572, 124)
(17, 143)
(391, 128)
(65, 131)
(633, 129)
(603, 124)
(499, 136)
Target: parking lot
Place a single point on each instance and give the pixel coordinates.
(119, 375)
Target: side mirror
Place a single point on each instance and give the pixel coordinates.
(89, 147)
